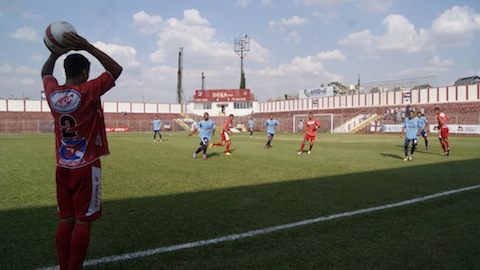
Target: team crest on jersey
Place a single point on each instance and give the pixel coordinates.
(65, 101)
(73, 151)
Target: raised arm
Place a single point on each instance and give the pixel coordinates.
(78, 42)
(50, 64)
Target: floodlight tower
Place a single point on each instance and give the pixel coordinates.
(241, 47)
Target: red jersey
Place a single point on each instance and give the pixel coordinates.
(442, 119)
(80, 136)
(311, 126)
(227, 125)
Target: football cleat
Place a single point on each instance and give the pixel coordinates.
(194, 155)
(405, 159)
(410, 158)
(210, 145)
(227, 154)
(309, 152)
(204, 157)
(299, 153)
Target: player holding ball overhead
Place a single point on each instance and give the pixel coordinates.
(80, 141)
(312, 126)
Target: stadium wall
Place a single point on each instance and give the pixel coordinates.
(463, 93)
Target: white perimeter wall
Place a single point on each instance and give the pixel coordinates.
(464, 93)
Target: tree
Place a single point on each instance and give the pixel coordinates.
(242, 81)
(338, 88)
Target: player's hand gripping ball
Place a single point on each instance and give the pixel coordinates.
(54, 38)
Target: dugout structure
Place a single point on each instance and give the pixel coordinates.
(325, 119)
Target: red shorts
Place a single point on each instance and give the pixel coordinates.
(78, 192)
(225, 136)
(309, 137)
(443, 133)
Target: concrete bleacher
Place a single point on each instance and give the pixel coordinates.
(42, 122)
(466, 113)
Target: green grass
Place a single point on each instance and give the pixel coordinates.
(155, 195)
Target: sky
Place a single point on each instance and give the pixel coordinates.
(294, 44)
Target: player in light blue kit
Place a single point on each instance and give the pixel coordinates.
(251, 124)
(206, 129)
(157, 124)
(411, 128)
(423, 125)
(270, 124)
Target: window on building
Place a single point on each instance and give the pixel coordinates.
(203, 106)
(243, 105)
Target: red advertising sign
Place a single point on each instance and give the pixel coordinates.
(116, 129)
(223, 95)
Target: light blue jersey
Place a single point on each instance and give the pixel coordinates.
(205, 129)
(251, 124)
(411, 128)
(157, 123)
(423, 122)
(271, 124)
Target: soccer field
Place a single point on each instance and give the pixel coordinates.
(162, 209)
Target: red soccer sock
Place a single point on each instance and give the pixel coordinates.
(79, 245)
(63, 238)
(443, 146)
(227, 148)
(217, 144)
(301, 147)
(447, 144)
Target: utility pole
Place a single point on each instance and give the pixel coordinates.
(180, 94)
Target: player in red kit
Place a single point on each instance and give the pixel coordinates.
(80, 141)
(226, 134)
(442, 128)
(311, 125)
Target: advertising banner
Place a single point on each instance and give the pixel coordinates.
(316, 92)
(392, 128)
(459, 129)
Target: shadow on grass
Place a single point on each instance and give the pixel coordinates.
(130, 225)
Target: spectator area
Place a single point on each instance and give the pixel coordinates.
(42, 122)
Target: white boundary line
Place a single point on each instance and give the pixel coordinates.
(232, 237)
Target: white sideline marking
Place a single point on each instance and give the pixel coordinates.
(232, 237)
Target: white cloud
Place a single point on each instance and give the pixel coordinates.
(401, 35)
(436, 61)
(293, 37)
(456, 26)
(375, 6)
(328, 3)
(293, 21)
(25, 33)
(363, 39)
(125, 55)
(434, 65)
(147, 24)
(326, 17)
(20, 77)
(334, 55)
(31, 16)
(267, 3)
(37, 57)
(242, 3)
(300, 72)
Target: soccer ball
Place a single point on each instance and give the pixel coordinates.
(54, 36)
